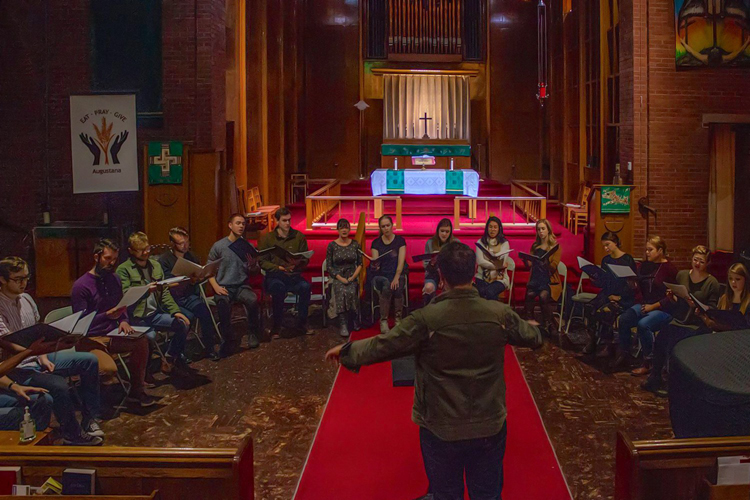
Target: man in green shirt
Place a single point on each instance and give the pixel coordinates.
(285, 275)
(157, 309)
(459, 344)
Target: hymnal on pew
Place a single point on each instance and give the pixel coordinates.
(79, 482)
(184, 267)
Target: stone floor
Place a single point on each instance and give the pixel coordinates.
(277, 393)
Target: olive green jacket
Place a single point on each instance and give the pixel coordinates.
(295, 242)
(130, 276)
(459, 344)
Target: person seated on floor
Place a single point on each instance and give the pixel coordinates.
(99, 290)
(492, 279)
(735, 298)
(443, 235)
(187, 295)
(49, 371)
(230, 284)
(157, 309)
(650, 314)
(388, 278)
(344, 263)
(459, 342)
(614, 297)
(14, 397)
(544, 282)
(284, 276)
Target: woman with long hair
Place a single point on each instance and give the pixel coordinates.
(544, 282)
(651, 314)
(344, 263)
(615, 295)
(735, 298)
(389, 280)
(491, 279)
(443, 235)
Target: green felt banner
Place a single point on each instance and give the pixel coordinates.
(615, 199)
(165, 162)
(425, 149)
(394, 182)
(454, 182)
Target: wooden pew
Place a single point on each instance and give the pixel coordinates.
(177, 473)
(670, 469)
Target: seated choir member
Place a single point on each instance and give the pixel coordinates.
(230, 284)
(388, 273)
(48, 371)
(443, 235)
(100, 290)
(652, 313)
(187, 295)
(157, 309)
(614, 297)
(544, 281)
(344, 263)
(283, 276)
(491, 279)
(735, 298)
(14, 397)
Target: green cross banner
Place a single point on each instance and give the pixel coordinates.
(454, 182)
(165, 162)
(394, 182)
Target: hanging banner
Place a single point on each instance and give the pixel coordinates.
(103, 143)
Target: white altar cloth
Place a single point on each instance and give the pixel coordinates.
(428, 181)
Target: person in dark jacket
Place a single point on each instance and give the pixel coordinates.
(459, 363)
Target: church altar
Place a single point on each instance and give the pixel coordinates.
(430, 181)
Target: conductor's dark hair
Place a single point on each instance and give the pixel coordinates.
(281, 213)
(610, 236)
(457, 263)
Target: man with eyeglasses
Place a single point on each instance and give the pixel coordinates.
(157, 309)
(47, 371)
(187, 295)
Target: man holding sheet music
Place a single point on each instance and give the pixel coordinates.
(100, 291)
(230, 284)
(48, 372)
(157, 309)
(284, 274)
(187, 294)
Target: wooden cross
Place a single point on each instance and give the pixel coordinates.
(425, 119)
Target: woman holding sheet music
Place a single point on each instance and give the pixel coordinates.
(544, 281)
(443, 236)
(389, 280)
(491, 279)
(651, 314)
(736, 298)
(615, 295)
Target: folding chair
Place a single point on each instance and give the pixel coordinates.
(581, 298)
(562, 270)
(510, 269)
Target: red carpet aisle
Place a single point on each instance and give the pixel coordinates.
(367, 447)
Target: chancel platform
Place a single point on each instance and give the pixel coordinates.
(426, 182)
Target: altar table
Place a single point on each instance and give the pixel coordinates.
(417, 181)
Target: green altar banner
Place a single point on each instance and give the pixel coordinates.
(615, 199)
(425, 149)
(394, 182)
(165, 162)
(454, 182)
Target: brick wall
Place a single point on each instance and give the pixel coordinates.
(667, 128)
(193, 96)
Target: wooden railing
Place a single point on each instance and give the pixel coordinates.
(671, 469)
(321, 201)
(534, 207)
(548, 189)
(319, 208)
(528, 206)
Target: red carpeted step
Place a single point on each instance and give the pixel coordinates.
(367, 448)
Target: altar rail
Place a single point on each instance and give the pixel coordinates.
(319, 207)
(530, 208)
(670, 469)
(548, 189)
(534, 204)
(321, 201)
